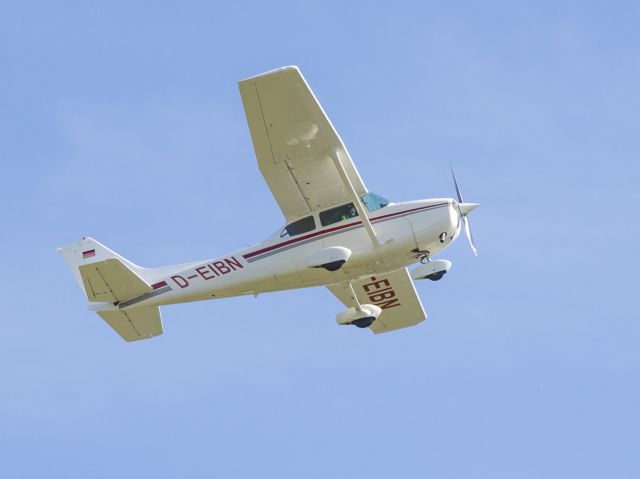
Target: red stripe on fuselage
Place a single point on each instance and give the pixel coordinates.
(335, 228)
(159, 285)
(298, 239)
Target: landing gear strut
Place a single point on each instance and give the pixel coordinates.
(423, 255)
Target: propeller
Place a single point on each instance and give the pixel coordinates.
(465, 209)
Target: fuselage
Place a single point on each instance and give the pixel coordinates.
(406, 231)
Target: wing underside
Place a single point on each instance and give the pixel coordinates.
(292, 137)
(393, 292)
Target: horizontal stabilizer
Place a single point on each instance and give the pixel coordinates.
(135, 323)
(111, 281)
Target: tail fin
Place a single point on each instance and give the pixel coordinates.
(88, 251)
(108, 278)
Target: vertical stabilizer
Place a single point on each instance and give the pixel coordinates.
(109, 280)
(88, 251)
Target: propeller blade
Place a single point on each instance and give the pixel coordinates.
(467, 229)
(455, 182)
(464, 209)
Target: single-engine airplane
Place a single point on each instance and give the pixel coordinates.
(337, 233)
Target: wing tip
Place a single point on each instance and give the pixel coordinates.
(275, 71)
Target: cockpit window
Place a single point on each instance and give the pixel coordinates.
(374, 202)
(303, 225)
(340, 213)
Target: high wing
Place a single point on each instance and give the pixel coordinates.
(292, 137)
(393, 292)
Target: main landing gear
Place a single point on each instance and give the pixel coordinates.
(331, 258)
(363, 322)
(361, 315)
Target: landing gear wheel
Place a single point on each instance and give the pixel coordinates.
(436, 276)
(334, 265)
(363, 322)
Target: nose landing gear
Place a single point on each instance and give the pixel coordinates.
(433, 270)
(436, 276)
(422, 255)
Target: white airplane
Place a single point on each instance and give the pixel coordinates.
(337, 233)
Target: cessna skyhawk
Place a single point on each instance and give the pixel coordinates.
(337, 233)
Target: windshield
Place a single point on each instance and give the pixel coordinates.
(373, 201)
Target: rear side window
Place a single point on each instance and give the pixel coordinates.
(303, 225)
(340, 213)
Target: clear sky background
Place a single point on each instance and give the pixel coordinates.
(122, 120)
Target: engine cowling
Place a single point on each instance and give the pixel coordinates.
(433, 270)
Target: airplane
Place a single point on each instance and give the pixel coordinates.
(337, 234)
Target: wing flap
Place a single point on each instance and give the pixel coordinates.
(393, 292)
(111, 281)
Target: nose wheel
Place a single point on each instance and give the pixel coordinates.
(436, 276)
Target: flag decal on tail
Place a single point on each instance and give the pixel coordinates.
(88, 254)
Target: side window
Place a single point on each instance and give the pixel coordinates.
(341, 213)
(303, 225)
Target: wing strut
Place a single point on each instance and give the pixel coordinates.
(333, 152)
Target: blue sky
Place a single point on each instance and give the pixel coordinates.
(122, 120)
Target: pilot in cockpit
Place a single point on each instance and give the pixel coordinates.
(350, 213)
